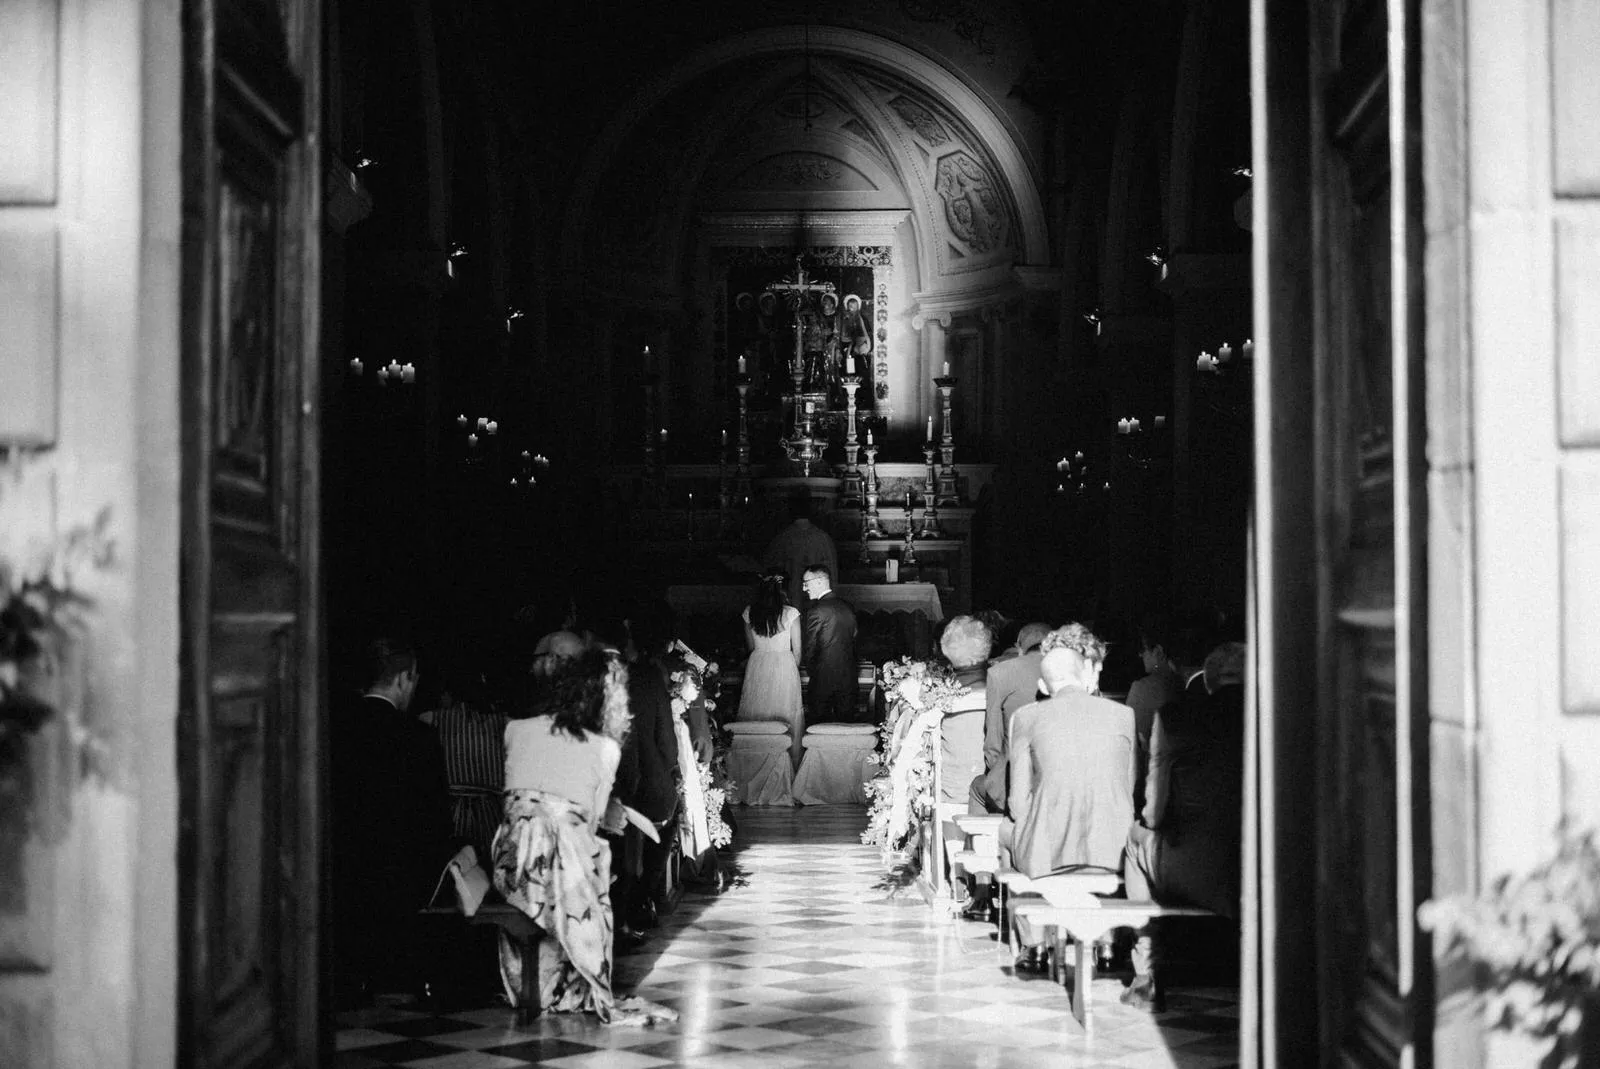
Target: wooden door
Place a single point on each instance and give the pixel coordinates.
(1371, 715)
(249, 724)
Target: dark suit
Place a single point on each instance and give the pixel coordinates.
(830, 657)
(1011, 684)
(1191, 855)
(647, 775)
(391, 837)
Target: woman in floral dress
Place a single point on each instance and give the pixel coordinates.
(549, 860)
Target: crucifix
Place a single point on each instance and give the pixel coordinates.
(797, 291)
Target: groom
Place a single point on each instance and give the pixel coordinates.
(830, 654)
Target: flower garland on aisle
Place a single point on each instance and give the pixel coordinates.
(696, 680)
(920, 693)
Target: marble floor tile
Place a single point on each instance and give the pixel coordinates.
(812, 961)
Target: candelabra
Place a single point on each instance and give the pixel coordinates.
(908, 552)
(1224, 384)
(802, 447)
(930, 511)
(850, 490)
(947, 492)
(742, 384)
(870, 527)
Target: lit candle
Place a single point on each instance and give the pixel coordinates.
(741, 365)
(947, 369)
(492, 427)
(1078, 455)
(513, 480)
(1161, 421)
(1122, 426)
(930, 428)
(747, 501)
(383, 375)
(1061, 465)
(483, 421)
(1133, 425)
(849, 365)
(394, 369)
(691, 500)
(408, 373)
(461, 421)
(869, 435)
(356, 365)
(724, 437)
(524, 454)
(472, 439)
(1225, 353)
(1205, 362)
(663, 436)
(1249, 348)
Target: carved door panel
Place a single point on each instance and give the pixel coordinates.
(1372, 813)
(250, 888)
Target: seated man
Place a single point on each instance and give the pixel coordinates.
(1012, 683)
(1072, 765)
(1189, 852)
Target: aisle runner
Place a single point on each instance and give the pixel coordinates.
(807, 965)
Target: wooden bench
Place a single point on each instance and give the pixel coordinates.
(520, 927)
(1084, 922)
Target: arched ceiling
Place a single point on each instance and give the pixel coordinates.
(725, 130)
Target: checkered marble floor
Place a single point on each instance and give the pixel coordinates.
(811, 962)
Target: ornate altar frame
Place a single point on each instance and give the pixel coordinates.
(878, 257)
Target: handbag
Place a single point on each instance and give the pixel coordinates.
(471, 882)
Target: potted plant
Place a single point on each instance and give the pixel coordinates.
(1534, 941)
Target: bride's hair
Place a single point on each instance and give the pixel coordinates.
(766, 608)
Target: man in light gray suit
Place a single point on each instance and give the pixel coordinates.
(1072, 765)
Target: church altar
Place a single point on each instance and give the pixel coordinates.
(726, 600)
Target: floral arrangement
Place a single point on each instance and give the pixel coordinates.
(716, 802)
(692, 680)
(920, 693)
(39, 607)
(1534, 938)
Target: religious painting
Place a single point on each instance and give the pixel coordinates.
(816, 321)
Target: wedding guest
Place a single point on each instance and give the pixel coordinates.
(965, 643)
(1012, 683)
(391, 827)
(1071, 764)
(829, 650)
(1189, 852)
(1160, 686)
(549, 860)
(472, 739)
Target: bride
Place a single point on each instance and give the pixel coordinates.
(772, 674)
